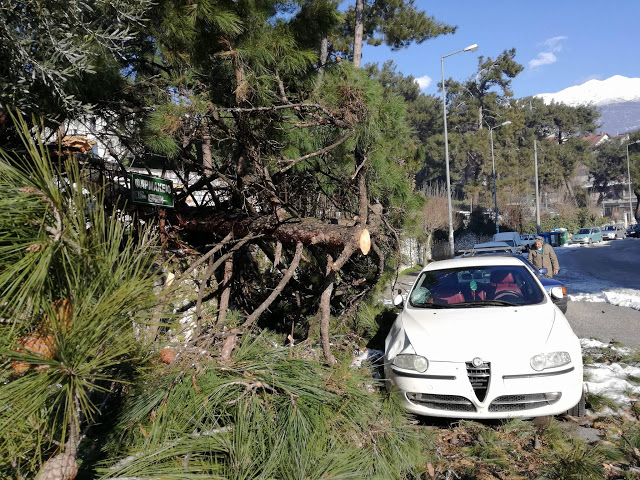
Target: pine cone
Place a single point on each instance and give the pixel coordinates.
(167, 355)
(61, 467)
(63, 309)
(38, 343)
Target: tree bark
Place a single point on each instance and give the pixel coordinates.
(358, 34)
(324, 312)
(324, 52)
(276, 291)
(207, 161)
(223, 305)
(308, 231)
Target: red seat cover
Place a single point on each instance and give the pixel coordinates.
(502, 280)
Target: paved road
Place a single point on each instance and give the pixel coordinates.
(612, 265)
(588, 271)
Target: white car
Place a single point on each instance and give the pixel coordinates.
(480, 338)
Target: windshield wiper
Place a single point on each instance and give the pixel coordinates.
(479, 304)
(429, 305)
(499, 303)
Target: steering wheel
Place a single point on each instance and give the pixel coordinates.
(507, 293)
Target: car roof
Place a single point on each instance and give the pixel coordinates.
(479, 261)
(491, 244)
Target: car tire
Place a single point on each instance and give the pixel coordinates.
(588, 241)
(579, 410)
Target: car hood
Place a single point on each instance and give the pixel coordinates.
(458, 335)
(547, 283)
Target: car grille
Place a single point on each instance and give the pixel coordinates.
(479, 378)
(514, 403)
(452, 403)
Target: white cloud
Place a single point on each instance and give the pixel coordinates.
(423, 82)
(543, 58)
(547, 57)
(554, 43)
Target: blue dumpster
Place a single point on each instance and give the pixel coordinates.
(547, 237)
(554, 238)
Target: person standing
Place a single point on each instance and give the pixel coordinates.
(542, 255)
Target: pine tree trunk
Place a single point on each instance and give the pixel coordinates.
(325, 312)
(324, 52)
(207, 162)
(358, 34)
(223, 306)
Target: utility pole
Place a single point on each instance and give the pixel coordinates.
(535, 163)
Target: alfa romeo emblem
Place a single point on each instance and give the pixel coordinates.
(477, 362)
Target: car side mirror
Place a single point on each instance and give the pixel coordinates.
(398, 301)
(556, 292)
(543, 271)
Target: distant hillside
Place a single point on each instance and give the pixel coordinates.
(618, 118)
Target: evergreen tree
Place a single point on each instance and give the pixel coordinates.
(396, 23)
(49, 49)
(76, 285)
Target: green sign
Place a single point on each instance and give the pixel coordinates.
(151, 190)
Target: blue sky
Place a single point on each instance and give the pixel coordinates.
(560, 43)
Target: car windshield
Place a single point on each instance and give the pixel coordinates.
(584, 231)
(479, 286)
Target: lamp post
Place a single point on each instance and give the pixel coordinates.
(493, 169)
(470, 48)
(631, 216)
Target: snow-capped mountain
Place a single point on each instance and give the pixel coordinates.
(616, 89)
(617, 99)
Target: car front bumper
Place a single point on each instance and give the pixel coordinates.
(561, 303)
(450, 389)
(580, 240)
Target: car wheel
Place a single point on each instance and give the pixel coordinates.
(588, 241)
(579, 410)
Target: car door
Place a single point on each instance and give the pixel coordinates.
(597, 235)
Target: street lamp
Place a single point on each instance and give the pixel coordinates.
(631, 216)
(493, 169)
(470, 48)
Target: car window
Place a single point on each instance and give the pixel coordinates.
(495, 285)
(596, 230)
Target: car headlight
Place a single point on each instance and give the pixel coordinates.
(411, 362)
(549, 360)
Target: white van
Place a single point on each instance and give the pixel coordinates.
(510, 238)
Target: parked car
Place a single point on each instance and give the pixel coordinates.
(634, 231)
(489, 248)
(479, 338)
(510, 238)
(587, 236)
(528, 239)
(612, 232)
(548, 283)
(501, 248)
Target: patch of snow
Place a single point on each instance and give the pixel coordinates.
(367, 355)
(623, 297)
(592, 343)
(612, 381)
